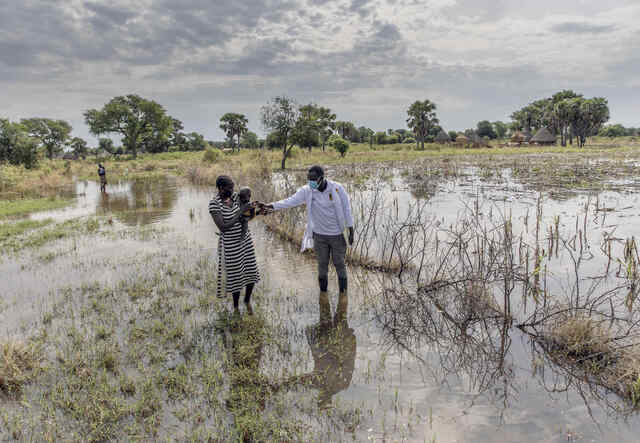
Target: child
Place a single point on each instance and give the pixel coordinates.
(245, 197)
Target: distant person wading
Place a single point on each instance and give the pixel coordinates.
(328, 215)
(102, 174)
(237, 267)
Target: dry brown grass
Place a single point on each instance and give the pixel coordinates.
(17, 363)
(581, 336)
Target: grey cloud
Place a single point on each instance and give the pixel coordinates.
(581, 28)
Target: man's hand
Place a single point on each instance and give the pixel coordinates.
(264, 208)
(351, 236)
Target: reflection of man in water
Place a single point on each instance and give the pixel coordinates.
(333, 346)
(102, 173)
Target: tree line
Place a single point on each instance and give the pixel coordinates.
(566, 114)
(144, 126)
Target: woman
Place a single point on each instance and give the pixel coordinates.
(236, 255)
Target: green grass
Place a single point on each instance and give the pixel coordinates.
(8, 230)
(10, 208)
(21, 235)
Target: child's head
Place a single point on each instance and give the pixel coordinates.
(245, 195)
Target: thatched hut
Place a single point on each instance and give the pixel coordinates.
(517, 137)
(462, 140)
(543, 137)
(443, 138)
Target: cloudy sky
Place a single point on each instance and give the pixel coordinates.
(365, 59)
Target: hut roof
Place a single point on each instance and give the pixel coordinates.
(517, 137)
(462, 138)
(543, 136)
(443, 137)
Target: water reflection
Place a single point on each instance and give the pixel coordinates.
(333, 346)
(140, 201)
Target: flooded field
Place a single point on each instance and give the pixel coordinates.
(460, 273)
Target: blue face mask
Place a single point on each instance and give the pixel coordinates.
(313, 184)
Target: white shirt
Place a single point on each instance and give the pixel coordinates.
(304, 195)
(323, 213)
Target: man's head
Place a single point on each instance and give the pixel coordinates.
(245, 195)
(315, 175)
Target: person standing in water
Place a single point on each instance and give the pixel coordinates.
(102, 173)
(237, 266)
(328, 215)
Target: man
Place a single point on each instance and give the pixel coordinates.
(328, 215)
(103, 177)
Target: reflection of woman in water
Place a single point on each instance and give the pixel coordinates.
(333, 346)
(236, 255)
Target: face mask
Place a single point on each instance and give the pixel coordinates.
(225, 193)
(313, 184)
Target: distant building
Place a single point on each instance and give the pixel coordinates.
(543, 137)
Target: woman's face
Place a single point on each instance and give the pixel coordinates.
(226, 191)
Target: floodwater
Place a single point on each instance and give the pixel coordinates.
(500, 388)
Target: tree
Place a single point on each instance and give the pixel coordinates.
(326, 124)
(133, 117)
(281, 116)
(500, 129)
(79, 147)
(587, 117)
(380, 138)
(195, 142)
(422, 117)
(347, 130)
(106, 144)
(453, 135)
(485, 129)
(53, 134)
(614, 131)
(234, 125)
(339, 144)
(250, 140)
(16, 146)
(310, 135)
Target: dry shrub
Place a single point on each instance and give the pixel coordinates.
(212, 155)
(17, 361)
(581, 336)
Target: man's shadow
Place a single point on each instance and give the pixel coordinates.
(333, 347)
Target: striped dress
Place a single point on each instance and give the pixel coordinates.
(237, 265)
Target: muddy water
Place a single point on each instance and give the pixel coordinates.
(442, 391)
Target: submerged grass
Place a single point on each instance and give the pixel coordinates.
(18, 361)
(9, 208)
(15, 237)
(9, 230)
(157, 346)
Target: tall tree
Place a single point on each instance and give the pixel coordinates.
(326, 124)
(131, 116)
(281, 117)
(53, 134)
(311, 135)
(587, 117)
(422, 118)
(234, 125)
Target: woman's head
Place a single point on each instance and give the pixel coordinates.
(225, 186)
